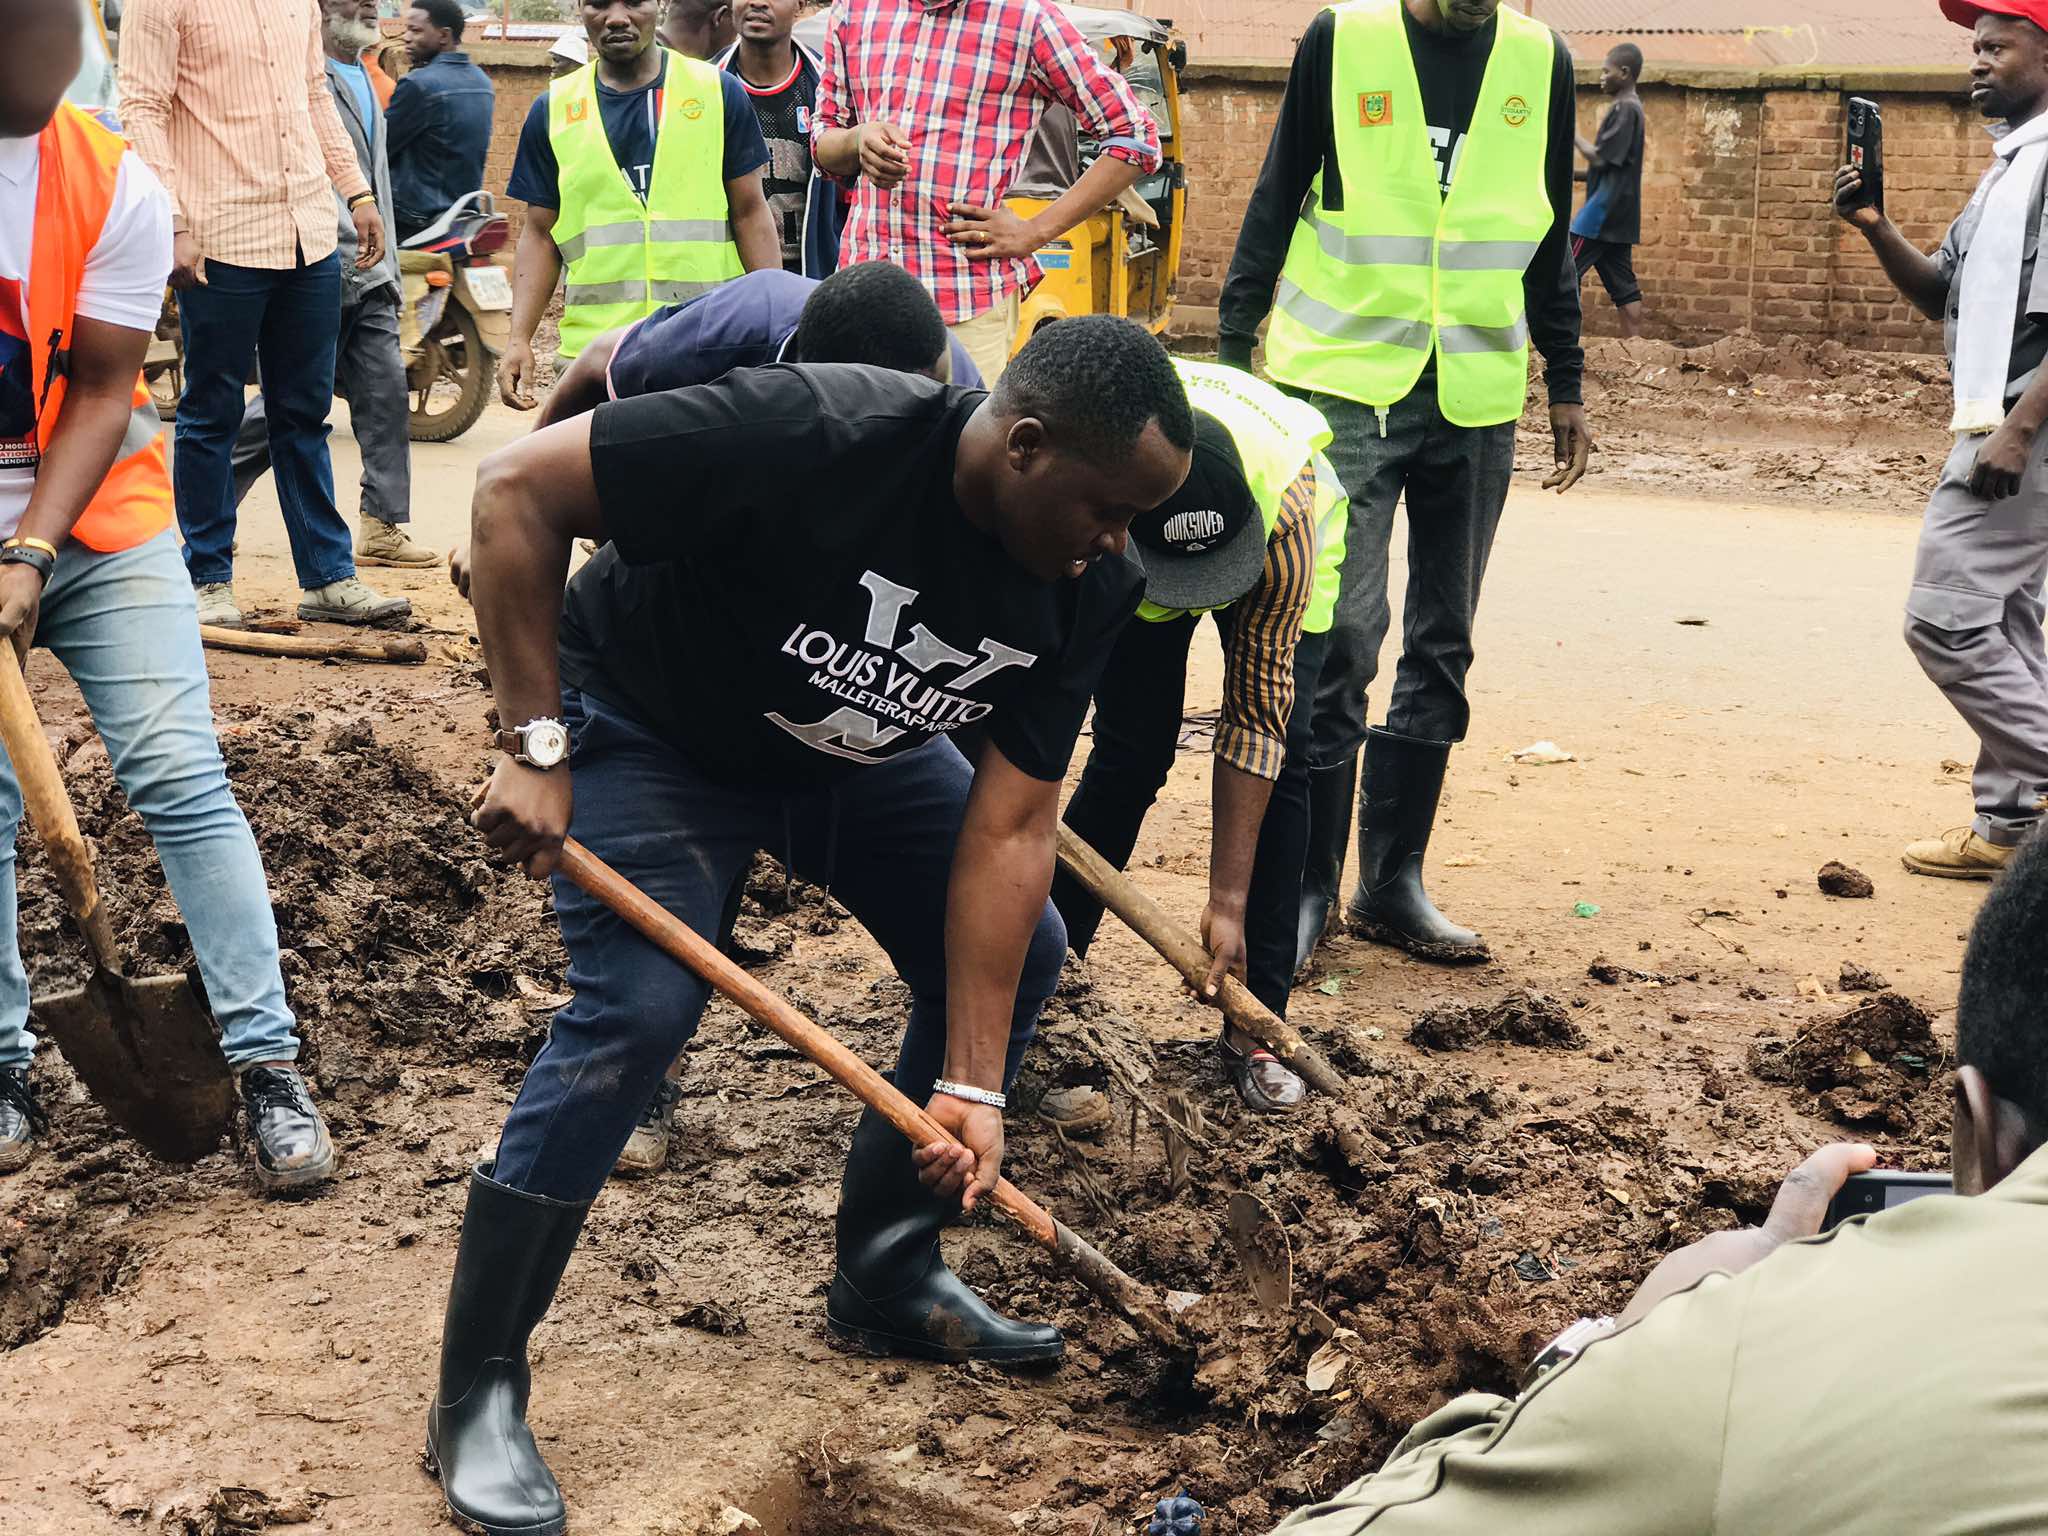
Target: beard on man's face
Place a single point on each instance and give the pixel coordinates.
(349, 34)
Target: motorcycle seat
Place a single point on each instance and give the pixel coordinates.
(473, 205)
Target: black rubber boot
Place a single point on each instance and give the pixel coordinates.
(514, 1249)
(1404, 778)
(1330, 791)
(893, 1294)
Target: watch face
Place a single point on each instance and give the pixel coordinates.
(547, 743)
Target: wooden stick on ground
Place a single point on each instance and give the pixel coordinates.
(1184, 951)
(399, 648)
(1151, 1314)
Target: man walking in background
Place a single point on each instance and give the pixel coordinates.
(440, 119)
(369, 367)
(1606, 231)
(641, 174)
(1418, 239)
(781, 77)
(1974, 616)
(249, 144)
(933, 107)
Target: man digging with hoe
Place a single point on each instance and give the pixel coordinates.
(814, 575)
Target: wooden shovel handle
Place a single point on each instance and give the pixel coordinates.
(776, 1014)
(394, 648)
(780, 1017)
(1183, 950)
(49, 807)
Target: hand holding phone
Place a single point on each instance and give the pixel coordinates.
(1865, 189)
(1881, 1189)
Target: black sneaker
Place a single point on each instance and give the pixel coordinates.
(21, 1119)
(292, 1147)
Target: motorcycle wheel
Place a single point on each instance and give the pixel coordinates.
(462, 360)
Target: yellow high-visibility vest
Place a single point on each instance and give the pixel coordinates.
(623, 258)
(1402, 271)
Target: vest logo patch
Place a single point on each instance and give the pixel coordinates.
(692, 109)
(1375, 109)
(578, 110)
(1514, 111)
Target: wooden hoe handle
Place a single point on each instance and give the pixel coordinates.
(49, 808)
(820, 1046)
(1184, 951)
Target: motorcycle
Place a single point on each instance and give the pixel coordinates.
(456, 315)
(453, 322)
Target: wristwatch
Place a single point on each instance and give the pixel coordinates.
(1566, 1347)
(37, 554)
(541, 743)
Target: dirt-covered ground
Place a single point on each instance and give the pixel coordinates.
(1676, 1012)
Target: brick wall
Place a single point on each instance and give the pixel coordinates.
(1737, 231)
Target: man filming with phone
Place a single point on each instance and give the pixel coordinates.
(1974, 617)
(1873, 1380)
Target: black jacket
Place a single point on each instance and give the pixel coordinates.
(1304, 142)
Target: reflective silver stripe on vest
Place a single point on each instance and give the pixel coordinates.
(1486, 255)
(1373, 250)
(1484, 338)
(1388, 330)
(664, 231)
(144, 427)
(635, 291)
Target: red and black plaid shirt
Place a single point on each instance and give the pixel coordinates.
(966, 83)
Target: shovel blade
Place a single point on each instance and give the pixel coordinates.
(147, 1051)
(1262, 1249)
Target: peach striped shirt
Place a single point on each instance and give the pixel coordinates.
(227, 101)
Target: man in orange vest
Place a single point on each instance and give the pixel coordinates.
(90, 567)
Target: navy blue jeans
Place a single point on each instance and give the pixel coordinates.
(288, 321)
(882, 839)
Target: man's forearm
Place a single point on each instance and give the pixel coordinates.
(1913, 273)
(759, 242)
(998, 890)
(536, 268)
(518, 563)
(2030, 411)
(583, 387)
(837, 152)
(1100, 185)
(1238, 811)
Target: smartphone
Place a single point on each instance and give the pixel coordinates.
(1880, 1190)
(1866, 153)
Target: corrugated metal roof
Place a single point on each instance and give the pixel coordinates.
(1742, 33)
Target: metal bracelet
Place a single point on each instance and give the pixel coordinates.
(971, 1094)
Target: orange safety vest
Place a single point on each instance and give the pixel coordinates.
(79, 166)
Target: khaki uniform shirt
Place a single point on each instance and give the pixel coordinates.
(1887, 1379)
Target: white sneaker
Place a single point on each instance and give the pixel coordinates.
(217, 605)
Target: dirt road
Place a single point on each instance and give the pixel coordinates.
(187, 1359)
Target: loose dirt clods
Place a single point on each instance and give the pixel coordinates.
(1837, 879)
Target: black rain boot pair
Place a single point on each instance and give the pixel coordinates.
(1404, 779)
(514, 1249)
(1330, 791)
(893, 1294)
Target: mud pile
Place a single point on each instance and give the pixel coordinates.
(1874, 1068)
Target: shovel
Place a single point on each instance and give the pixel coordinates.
(146, 1050)
(1152, 1314)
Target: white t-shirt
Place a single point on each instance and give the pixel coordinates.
(123, 285)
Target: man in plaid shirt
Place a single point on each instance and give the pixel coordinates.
(932, 105)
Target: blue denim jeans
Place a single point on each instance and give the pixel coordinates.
(124, 626)
(287, 320)
(882, 839)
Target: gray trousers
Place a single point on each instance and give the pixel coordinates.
(1456, 482)
(369, 373)
(1974, 621)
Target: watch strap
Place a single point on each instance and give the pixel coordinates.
(41, 561)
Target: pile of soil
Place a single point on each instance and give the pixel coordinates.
(1744, 417)
(1874, 1068)
(1521, 1018)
